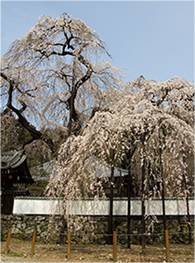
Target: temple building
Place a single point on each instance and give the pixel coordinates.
(15, 176)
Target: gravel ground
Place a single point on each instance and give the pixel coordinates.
(20, 251)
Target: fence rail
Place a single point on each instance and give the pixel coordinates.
(70, 248)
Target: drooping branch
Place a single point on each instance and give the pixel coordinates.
(47, 53)
(36, 135)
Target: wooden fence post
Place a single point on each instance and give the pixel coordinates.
(114, 246)
(33, 243)
(8, 241)
(167, 245)
(68, 244)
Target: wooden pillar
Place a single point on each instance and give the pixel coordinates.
(189, 223)
(114, 246)
(110, 219)
(33, 242)
(167, 245)
(68, 244)
(188, 211)
(8, 241)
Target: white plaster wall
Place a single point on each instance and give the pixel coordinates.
(101, 207)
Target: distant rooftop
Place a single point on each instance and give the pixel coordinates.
(12, 159)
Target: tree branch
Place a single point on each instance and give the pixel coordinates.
(22, 120)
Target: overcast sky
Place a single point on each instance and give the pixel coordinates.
(154, 39)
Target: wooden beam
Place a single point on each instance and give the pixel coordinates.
(8, 241)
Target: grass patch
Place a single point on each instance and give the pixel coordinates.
(15, 254)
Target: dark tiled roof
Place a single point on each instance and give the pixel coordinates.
(12, 159)
(14, 169)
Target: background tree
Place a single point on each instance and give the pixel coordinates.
(12, 133)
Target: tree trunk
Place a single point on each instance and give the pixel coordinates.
(129, 206)
(110, 220)
(143, 204)
(163, 189)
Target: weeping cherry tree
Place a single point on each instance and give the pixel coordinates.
(153, 121)
(54, 76)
